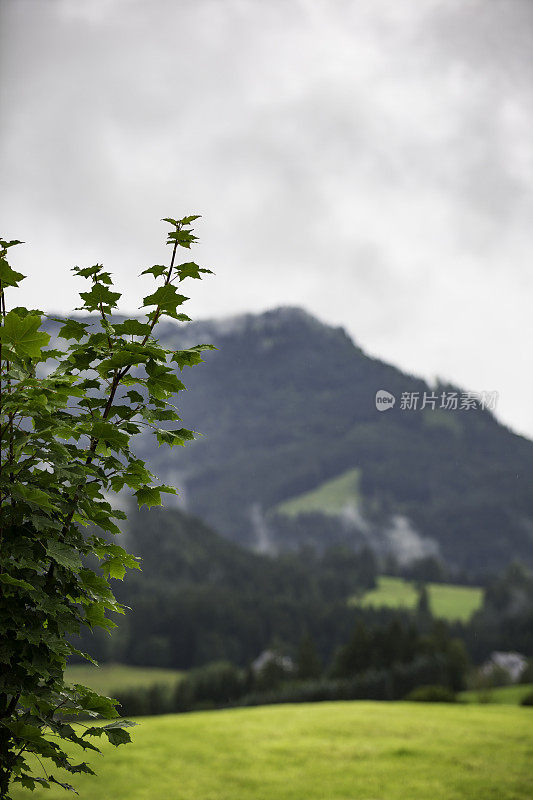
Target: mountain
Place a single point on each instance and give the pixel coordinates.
(295, 452)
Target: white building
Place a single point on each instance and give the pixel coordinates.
(513, 663)
(270, 656)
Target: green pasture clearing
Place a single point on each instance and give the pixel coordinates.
(505, 695)
(446, 601)
(329, 498)
(335, 751)
(107, 678)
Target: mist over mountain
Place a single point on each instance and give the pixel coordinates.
(295, 453)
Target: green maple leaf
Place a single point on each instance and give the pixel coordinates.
(8, 276)
(64, 555)
(22, 334)
(173, 438)
(167, 299)
(157, 270)
(148, 496)
(132, 327)
(110, 434)
(191, 270)
(72, 329)
(99, 295)
(162, 381)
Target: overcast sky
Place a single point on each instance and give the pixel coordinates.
(370, 161)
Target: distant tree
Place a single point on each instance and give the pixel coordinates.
(432, 694)
(308, 664)
(356, 655)
(458, 664)
(271, 675)
(527, 674)
(428, 569)
(368, 568)
(423, 607)
(394, 644)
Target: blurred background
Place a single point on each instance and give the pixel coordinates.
(364, 172)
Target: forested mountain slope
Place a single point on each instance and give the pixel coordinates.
(287, 404)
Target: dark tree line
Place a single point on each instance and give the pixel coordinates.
(382, 663)
(200, 598)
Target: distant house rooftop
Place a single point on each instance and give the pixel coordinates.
(513, 663)
(269, 657)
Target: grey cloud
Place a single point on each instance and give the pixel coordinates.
(371, 161)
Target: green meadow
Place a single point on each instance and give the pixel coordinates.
(108, 678)
(324, 751)
(446, 601)
(329, 498)
(505, 695)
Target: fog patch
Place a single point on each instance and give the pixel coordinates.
(405, 543)
(352, 517)
(263, 539)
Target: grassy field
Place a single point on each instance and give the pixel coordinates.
(330, 497)
(446, 601)
(110, 677)
(504, 695)
(324, 751)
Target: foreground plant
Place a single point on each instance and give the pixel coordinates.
(67, 417)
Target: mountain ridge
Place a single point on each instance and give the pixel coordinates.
(287, 403)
